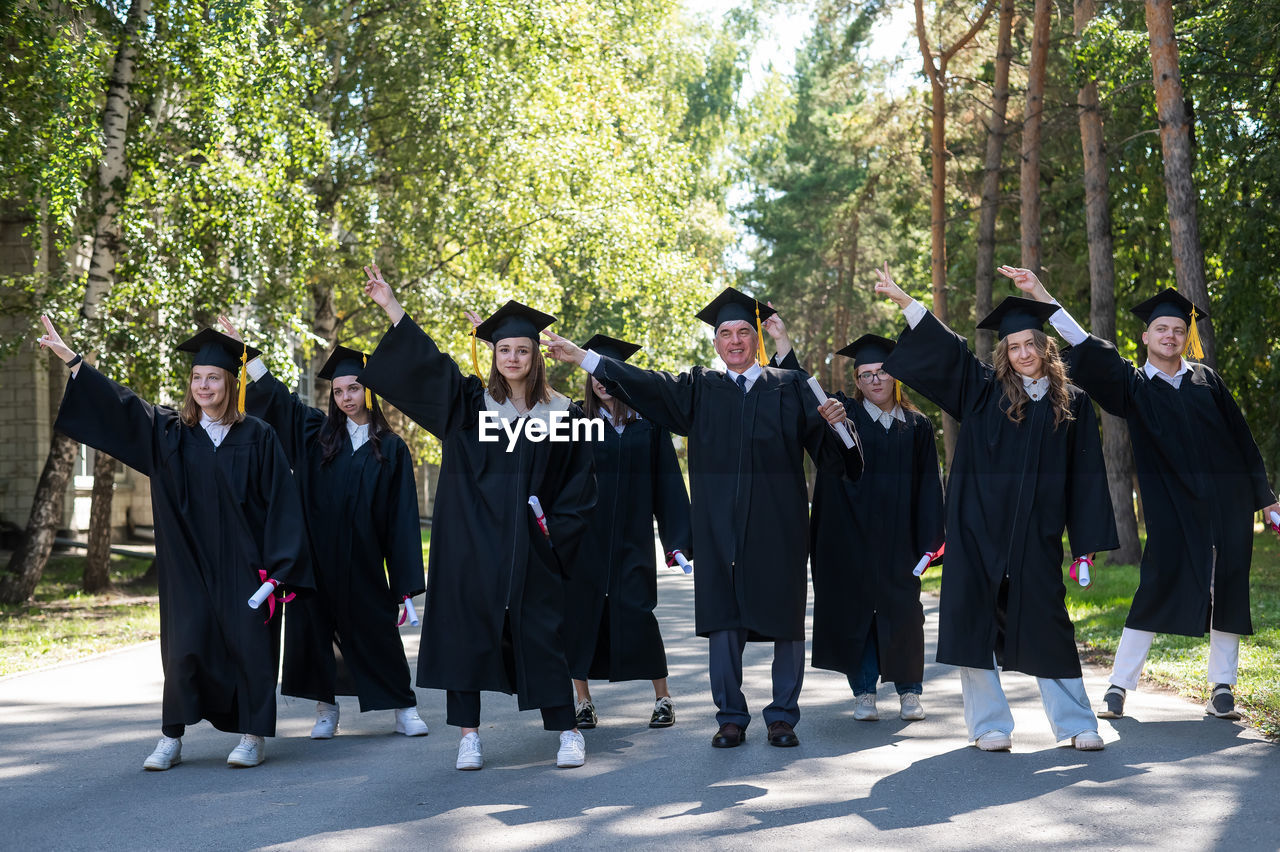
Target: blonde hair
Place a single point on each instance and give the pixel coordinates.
(1011, 379)
(231, 413)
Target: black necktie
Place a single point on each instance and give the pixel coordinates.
(742, 382)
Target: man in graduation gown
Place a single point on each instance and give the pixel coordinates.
(361, 504)
(1014, 486)
(866, 537)
(227, 517)
(748, 429)
(1202, 479)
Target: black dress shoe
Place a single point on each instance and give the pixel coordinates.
(729, 736)
(782, 735)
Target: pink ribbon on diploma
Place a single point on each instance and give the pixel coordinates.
(271, 601)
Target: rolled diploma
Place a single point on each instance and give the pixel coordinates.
(264, 592)
(538, 515)
(413, 613)
(842, 429)
(1275, 520)
(683, 563)
(922, 564)
(1084, 574)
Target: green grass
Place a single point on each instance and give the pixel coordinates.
(1180, 663)
(63, 623)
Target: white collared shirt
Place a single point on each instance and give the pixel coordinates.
(216, 430)
(1176, 379)
(752, 373)
(608, 416)
(884, 418)
(1035, 388)
(359, 434)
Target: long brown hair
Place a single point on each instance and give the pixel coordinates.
(1014, 391)
(231, 413)
(899, 395)
(539, 390)
(622, 413)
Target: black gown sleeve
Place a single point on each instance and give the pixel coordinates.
(661, 397)
(670, 499)
(821, 442)
(789, 362)
(111, 418)
(296, 424)
(395, 510)
(934, 361)
(1242, 439)
(929, 516)
(574, 486)
(411, 373)
(1091, 523)
(1099, 370)
(284, 537)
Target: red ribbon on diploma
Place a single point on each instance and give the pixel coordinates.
(271, 601)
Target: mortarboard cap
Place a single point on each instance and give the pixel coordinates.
(868, 349)
(514, 320)
(733, 305)
(347, 362)
(611, 347)
(215, 349)
(1016, 314)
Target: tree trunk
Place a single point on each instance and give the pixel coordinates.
(984, 340)
(324, 324)
(1175, 141)
(97, 565)
(1102, 302)
(27, 563)
(1029, 186)
(937, 74)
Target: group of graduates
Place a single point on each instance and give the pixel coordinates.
(542, 565)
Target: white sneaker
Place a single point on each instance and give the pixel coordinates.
(251, 751)
(409, 723)
(573, 750)
(1088, 741)
(865, 708)
(167, 755)
(910, 709)
(994, 741)
(469, 754)
(326, 721)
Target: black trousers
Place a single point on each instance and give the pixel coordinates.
(462, 710)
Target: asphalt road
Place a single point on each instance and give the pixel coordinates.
(73, 738)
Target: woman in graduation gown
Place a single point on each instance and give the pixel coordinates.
(494, 611)
(1027, 464)
(867, 536)
(611, 631)
(227, 518)
(361, 502)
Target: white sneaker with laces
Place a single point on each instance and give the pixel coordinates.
(573, 750)
(994, 741)
(326, 721)
(469, 753)
(251, 751)
(167, 755)
(1088, 741)
(409, 723)
(864, 710)
(910, 709)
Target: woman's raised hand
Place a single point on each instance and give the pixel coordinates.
(1026, 281)
(228, 329)
(52, 341)
(891, 291)
(562, 349)
(379, 290)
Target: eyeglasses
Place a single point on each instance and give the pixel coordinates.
(878, 376)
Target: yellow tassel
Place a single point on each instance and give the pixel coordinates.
(368, 394)
(1194, 348)
(897, 392)
(475, 357)
(244, 378)
(760, 355)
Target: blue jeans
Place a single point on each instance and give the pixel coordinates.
(986, 708)
(864, 680)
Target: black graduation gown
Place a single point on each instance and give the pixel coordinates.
(1202, 478)
(750, 500)
(361, 514)
(221, 515)
(489, 561)
(1011, 491)
(610, 629)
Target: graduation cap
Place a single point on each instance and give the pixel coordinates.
(511, 320)
(1016, 314)
(212, 348)
(868, 349)
(347, 362)
(734, 305)
(611, 346)
(1170, 303)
